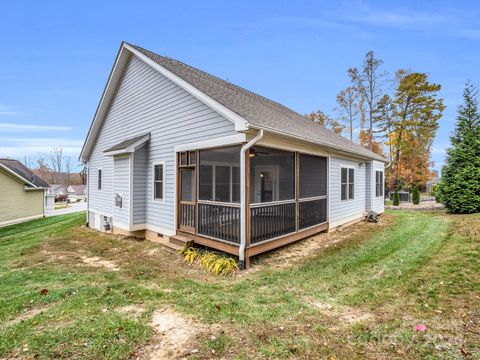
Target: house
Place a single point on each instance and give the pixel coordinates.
(57, 190)
(21, 193)
(175, 154)
(76, 192)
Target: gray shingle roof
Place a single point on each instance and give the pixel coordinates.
(257, 110)
(21, 170)
(125, 143)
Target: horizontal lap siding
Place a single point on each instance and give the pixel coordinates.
(378, 202)
(345, 211)
(147, 102)
(368, 186)
(121, 215)
(139, 214)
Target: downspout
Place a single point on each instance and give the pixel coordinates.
(243, 198)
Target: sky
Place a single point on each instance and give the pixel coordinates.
(56, 55)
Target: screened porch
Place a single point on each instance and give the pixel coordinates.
(286, 194)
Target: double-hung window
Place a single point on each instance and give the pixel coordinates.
(158, 181)
(379, 183)
(347, 183)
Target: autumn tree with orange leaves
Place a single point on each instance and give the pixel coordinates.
(410, 128)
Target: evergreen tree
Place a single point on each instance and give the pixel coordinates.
(396, 198)
(460, 183)
(416, 195)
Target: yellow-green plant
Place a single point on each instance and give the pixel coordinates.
(208, 260)
(189, 254)
(225, 266)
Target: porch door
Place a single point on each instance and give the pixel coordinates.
(266, 183)
(187, 210)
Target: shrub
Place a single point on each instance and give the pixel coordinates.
(416, 195)
(396, 198)
(210, 261)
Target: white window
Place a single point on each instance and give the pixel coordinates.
(379, 183)
(159, 181)
(99, 179)
(347, 183)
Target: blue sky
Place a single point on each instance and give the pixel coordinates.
(56, 55)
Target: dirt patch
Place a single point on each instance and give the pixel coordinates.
(345, 314)
(173, 334)
(27, 315)
(132, 310)
(98, 262)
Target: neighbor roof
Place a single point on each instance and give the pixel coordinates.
(257, 110)
(23, 173)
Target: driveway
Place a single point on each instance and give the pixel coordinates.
(72, 208)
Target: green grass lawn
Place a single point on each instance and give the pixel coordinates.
(359, 298)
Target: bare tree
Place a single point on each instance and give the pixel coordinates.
(27, 161)
(68, 170)
(347, 100)
(368, 82)
(56, 162)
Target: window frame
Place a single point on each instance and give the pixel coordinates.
(348, 183)
(155, 199)
(379, 186)
(214, 182)
(99, 179)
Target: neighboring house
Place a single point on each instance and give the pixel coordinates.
(175, 154)
(57, 190)
(76, 192)
(21, 193)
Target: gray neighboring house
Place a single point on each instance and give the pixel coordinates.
(175, 154)
(77, 192)
(57, 189)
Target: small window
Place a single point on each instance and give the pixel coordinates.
(347, 183)
(158, 182)
(184, 159)
(379, 183)
(99, 180)
(192, 158)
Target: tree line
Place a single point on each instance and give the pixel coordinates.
(56, 168)
(396, 117)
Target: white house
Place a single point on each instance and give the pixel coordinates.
(175, 154)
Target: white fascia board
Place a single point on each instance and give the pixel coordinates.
(107, 95)
(213, 143)
(14, 174)
(240, 123)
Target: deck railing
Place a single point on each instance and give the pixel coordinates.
(272, 220)
(187, 215)
(312, 212)
(220, 221)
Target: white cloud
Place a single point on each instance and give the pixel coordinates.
(10, 127)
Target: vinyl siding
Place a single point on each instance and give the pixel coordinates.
(368, 186)
(140, 180)
(121, 215)
(17, 203)
(378, 202)
(147, 102)
(344, 211)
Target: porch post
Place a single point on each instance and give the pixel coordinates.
(247, 205)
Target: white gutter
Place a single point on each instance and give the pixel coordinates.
(243, 198)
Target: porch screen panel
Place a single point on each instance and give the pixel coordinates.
(312, 191)
(313, 176)
(272, 175)
(219, 175)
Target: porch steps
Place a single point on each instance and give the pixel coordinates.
(176, 243)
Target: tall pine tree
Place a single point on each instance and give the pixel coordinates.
(460, 183)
